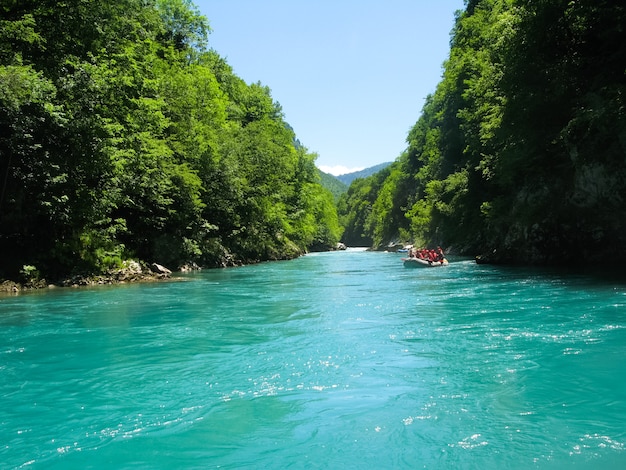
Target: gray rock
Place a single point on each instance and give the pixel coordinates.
(159, 269)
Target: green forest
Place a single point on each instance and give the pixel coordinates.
(123, 136)
(519, 156)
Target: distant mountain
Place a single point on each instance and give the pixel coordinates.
(338, 185)
(349, 177)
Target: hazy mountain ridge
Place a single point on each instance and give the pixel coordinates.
(349, 177)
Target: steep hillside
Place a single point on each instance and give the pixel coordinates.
(134, 141)
(519, 153)
(333, 184)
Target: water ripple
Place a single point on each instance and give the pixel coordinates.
(329, 361)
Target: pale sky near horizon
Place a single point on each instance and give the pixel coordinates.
(351, 76)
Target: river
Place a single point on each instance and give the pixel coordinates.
(333, 360)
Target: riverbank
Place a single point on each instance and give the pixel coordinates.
(132, 271)
(136, 271)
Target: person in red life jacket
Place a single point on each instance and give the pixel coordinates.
(439, 256)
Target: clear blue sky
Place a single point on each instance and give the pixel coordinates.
(351, 75)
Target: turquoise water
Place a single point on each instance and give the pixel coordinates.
(333, 360)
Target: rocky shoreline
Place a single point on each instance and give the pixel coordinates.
(132, 271)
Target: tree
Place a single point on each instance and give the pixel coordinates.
(519, 152)
(122, 136)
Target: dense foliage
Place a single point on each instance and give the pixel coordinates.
(334, 185)
(122, 136)
(520, 154)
